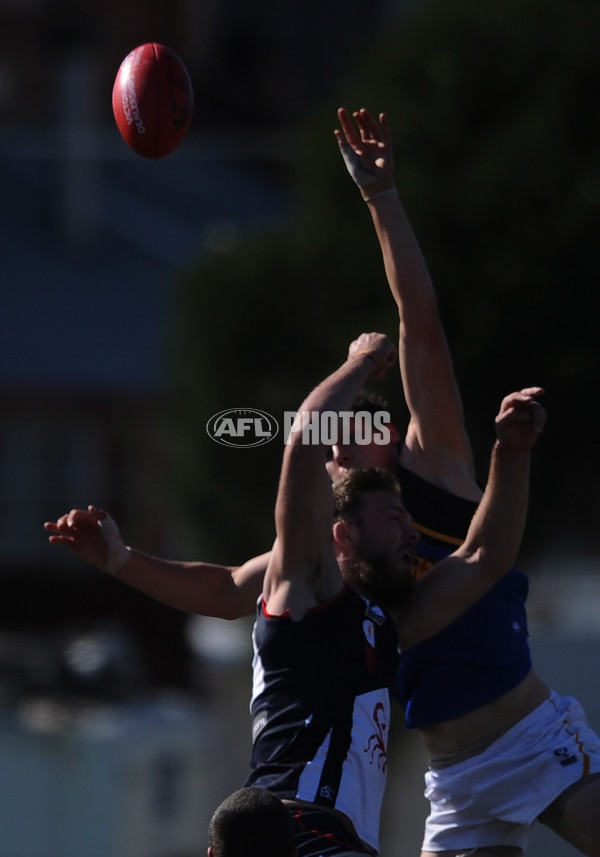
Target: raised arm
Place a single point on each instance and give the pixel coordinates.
(495, 534)
(436, 446)
(302, 570)
(227, 592)
(494, 537)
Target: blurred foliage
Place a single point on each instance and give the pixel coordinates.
(496, 121)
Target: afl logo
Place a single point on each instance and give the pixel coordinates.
(242, 427)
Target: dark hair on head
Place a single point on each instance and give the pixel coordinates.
(370, 402)
(348, 490)
(251, 822)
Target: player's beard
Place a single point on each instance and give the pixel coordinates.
(378, 578)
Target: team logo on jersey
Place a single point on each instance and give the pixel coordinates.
(564, 757)
(369, 632)
(377, 745)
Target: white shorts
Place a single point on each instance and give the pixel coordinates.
(495, 796)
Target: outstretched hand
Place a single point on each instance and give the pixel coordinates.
(81, 531)
(366, 146)
(521, 418)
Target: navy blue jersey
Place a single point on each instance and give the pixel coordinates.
(441, 519)
(321, 706)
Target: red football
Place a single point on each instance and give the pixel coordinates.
(152, 100)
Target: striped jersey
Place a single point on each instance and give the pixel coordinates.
(321, 706)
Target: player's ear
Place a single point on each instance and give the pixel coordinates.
(209, 852)
(344, 536)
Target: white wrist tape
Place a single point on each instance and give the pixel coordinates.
(376, 192)
(117, 553)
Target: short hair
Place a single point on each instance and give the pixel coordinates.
(251, 822)
(371, 402)
(349, 489)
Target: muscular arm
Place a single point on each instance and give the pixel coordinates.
(303, 524)
(303, 518)
(302, 569)
(494, 537)
(436, 446)
(228, 592)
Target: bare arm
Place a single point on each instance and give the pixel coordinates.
(302, 570)
(436, 446)
(494, 537)
(228, 592)
(303, 521)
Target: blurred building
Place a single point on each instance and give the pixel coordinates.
(106, 740)
(92, 238)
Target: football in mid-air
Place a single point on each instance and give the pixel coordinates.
(152, 100)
